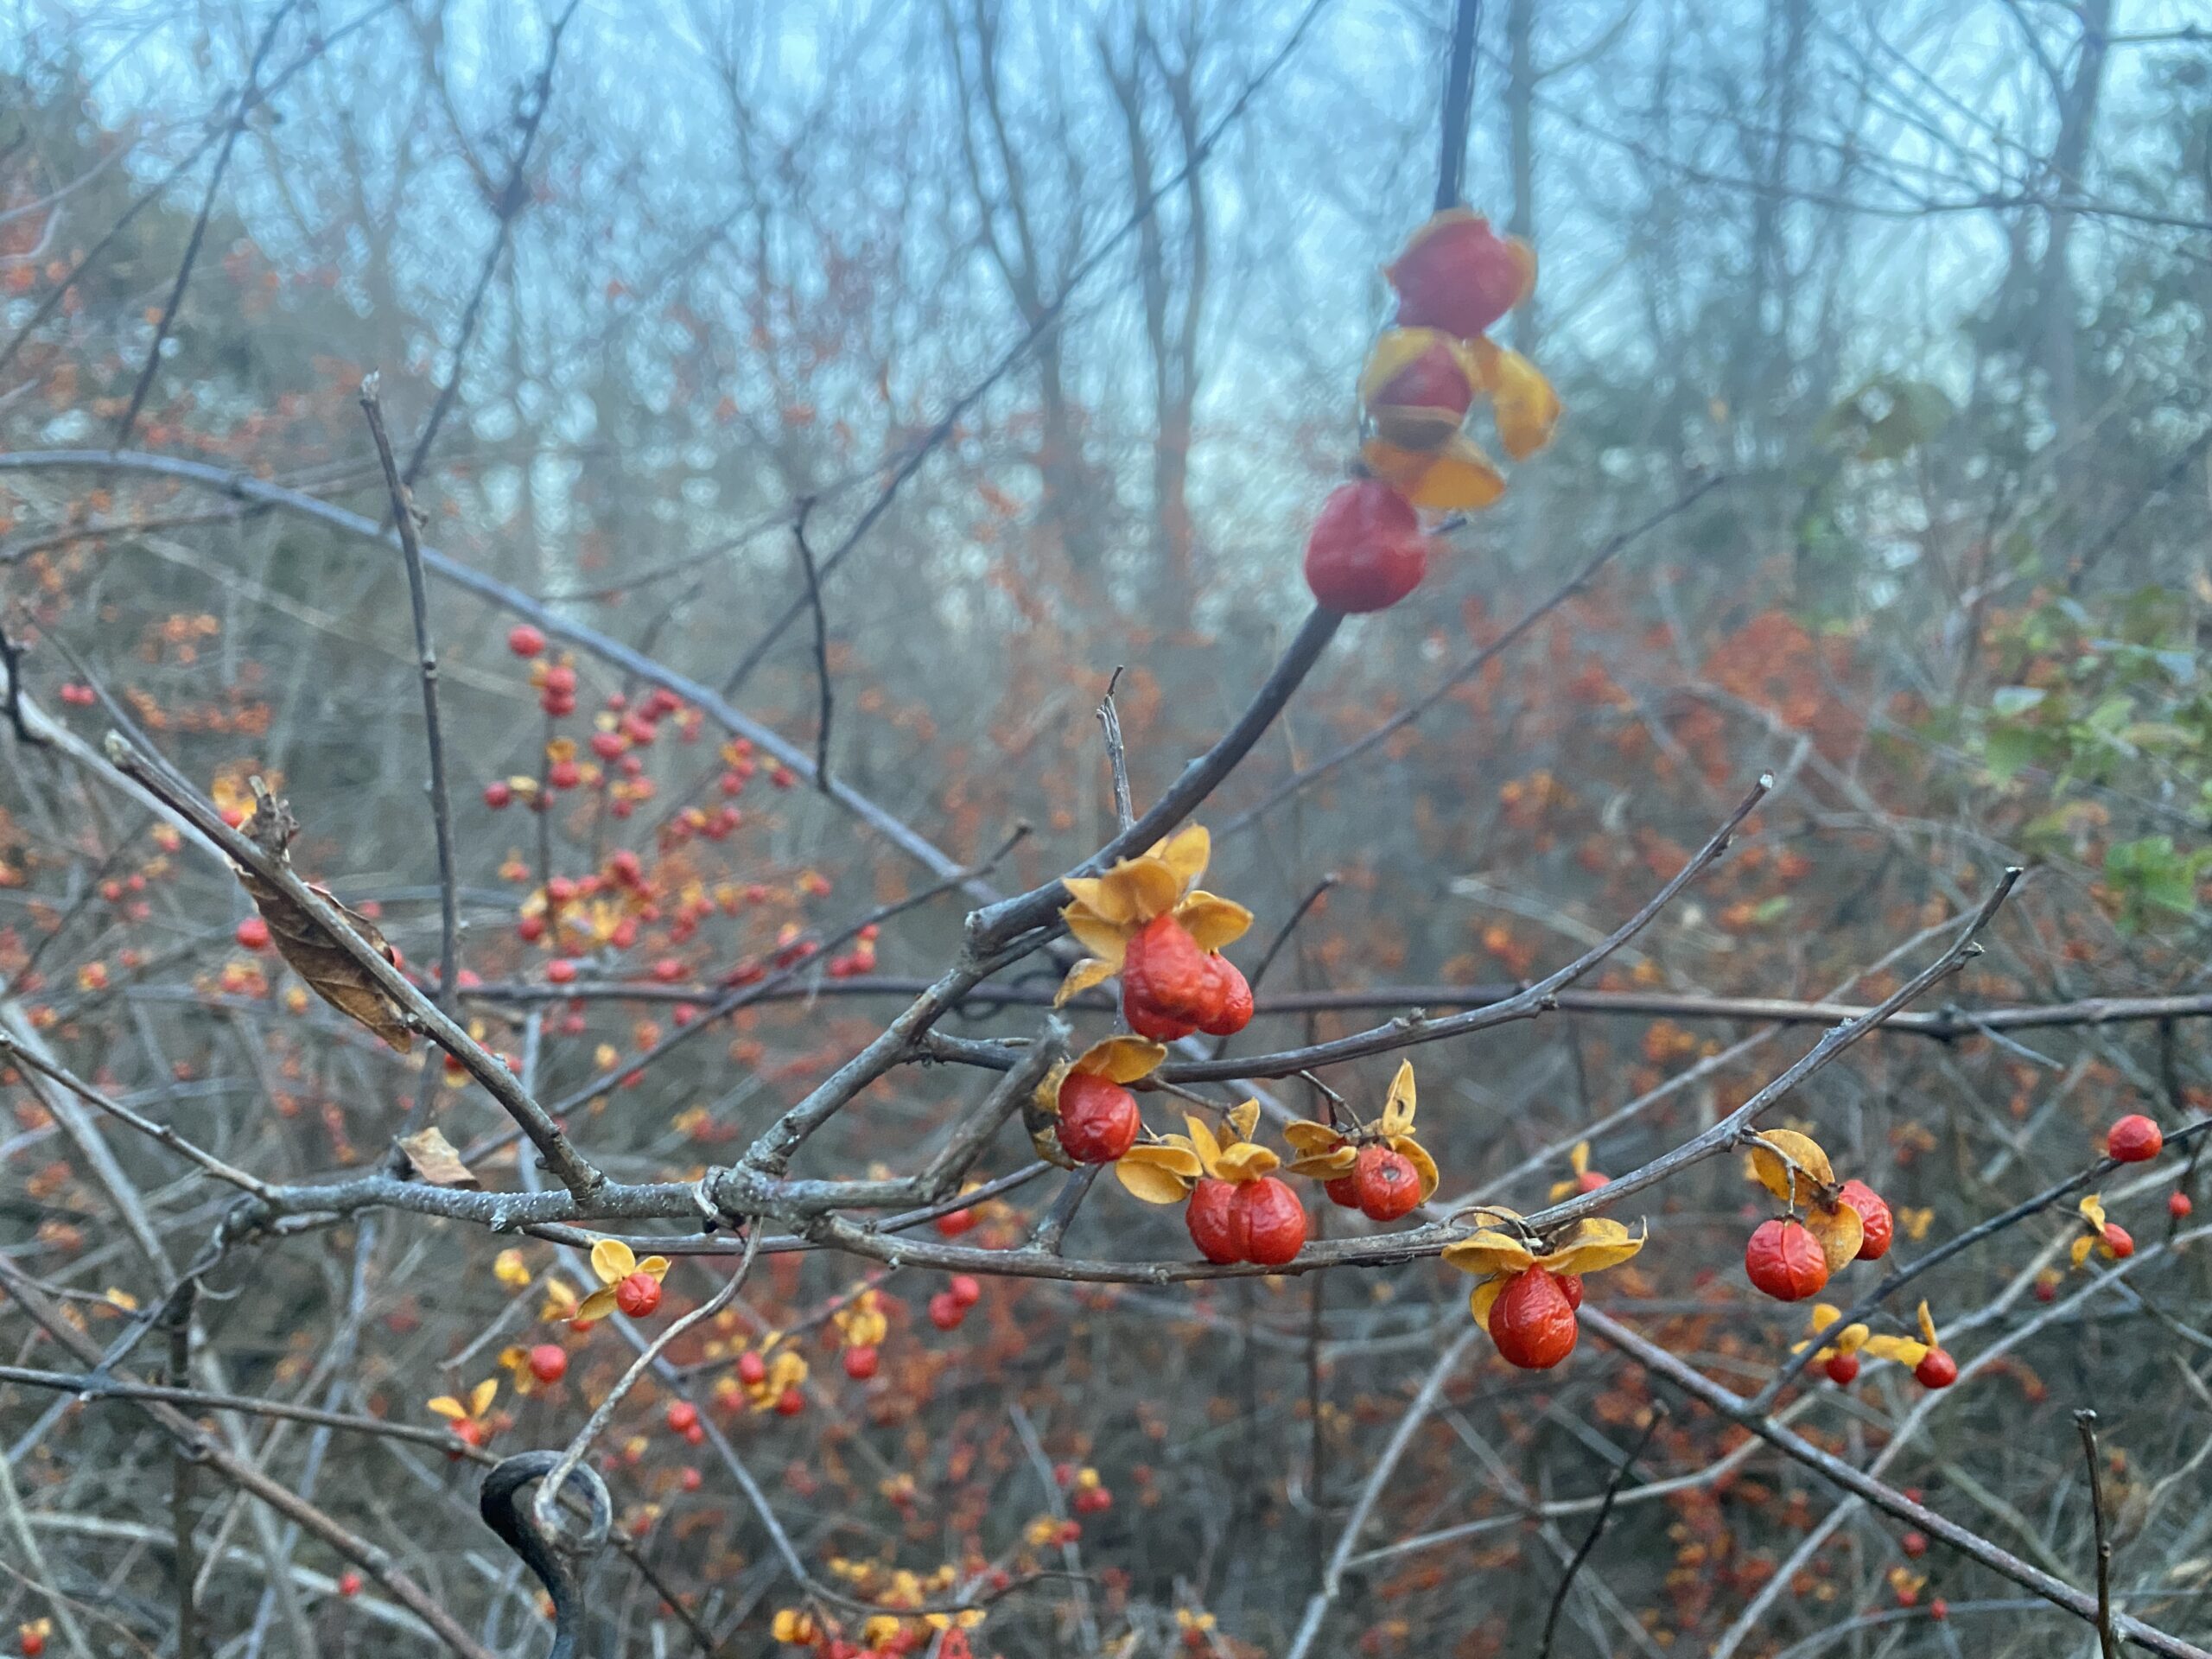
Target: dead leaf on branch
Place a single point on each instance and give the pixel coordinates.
(436, 1161)
(307, 946)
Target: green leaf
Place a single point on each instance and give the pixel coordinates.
(2010, 702)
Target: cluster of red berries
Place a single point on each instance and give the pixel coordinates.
(1259, 1220)
(950, 1306)
(753, 1372)
(78, 697)
(684, 1419)
(1171, 987)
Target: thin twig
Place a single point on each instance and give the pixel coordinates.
(1117, 754)
(1590, 1540)
(1459, 100)
(410, 548)
(823, 697)
(2085, 1421)
(249, 101)
(512, 199)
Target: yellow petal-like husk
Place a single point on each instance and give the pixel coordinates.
(1927, 1327)
(1480, 1300)
(1579, 1159)
(1104, 939)
(1455, 478)
(1203, 1142)
(1120, 1059)
(1326, 1165)
(1246, 1161)
(613, 1260)
(1840, 1231)
(1416, 1154)
(655, 1265)
(1091, 971)
(1244, 1119)
(1185, 853)
(1596, 1243)
(1213, 921)
(2078, 1251)
(481, 1396)
(1527, 407)
(445, 1406)
(1148, 1177)
(1488, 1252)
(1903, 1349)
(597, 1305)
(1091, 893)
(1397, 1117)
(1767, 1154)
(1306, 1137)
(2093, 1212)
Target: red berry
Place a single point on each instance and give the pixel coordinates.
(498, 793)
(1366, 551)
(549, 1361)
(564, 775)
(561, 970)
(668, 970)
(349, 1585)
(2135, 1140)
(1590, 1180)
(1843, 1368)
(952, 1225)
(1232, 999)
(1343, 1192)
(1146, 1023)
(1386, 1183)
(692, 1479)
(34, 1641)
(608, 745)
(1098, 1118)
(860, 1360)
(2046, 1290)
(1570, 1285)
(965, 1289)
(1163, 971)
(1785, 1260)
(1915, 1544)
(1878, 1227)
(1532, 1322)
(682, 1415)
(752, 1367)
(945, 1313)
(1215, 1223)
(524, 640)
(789, 1403)
(1939, 1609)
(1459, 275)
(1936, 1370)
(253, 933)
(2118, 1241)
(1273, 1221)
(2178, 1204)
(560, 680)
(1436, 380)
(637, 1295)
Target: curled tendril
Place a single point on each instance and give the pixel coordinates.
(552, 1559)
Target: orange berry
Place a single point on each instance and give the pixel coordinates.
(1232, 1005)
(1785, 1260)
(1532, 1322)
(1165, 973)
(1271, 1219)
(1386, 1183)
(637, 1295)
(1878, 1226)
(1098, 1119)
(1366, 551)
(1216, 1227)
(2135, 1140)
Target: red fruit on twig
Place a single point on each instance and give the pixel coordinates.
(1366, 551)
(1785, 1260)
(1165, 972)
(549, 1363)
(1386, 1183)
(637, 1295)
(1936, 1370)
(1098, 1119)
(1843, 1368)
(1271, 1219)
(1232, 999)
(1343, 1192)
(1459, 275)
(1877, 1228)
(1532, 1322)
(2135, 1140)
(1216, 1226)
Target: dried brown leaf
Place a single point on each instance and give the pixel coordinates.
(436, 1161)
